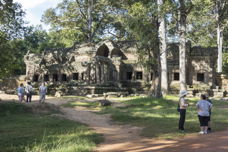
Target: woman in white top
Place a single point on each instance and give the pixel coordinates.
(183, 105)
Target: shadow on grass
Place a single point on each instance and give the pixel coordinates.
(159, 117)
(23, 130)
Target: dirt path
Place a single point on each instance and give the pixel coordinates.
(125, 138)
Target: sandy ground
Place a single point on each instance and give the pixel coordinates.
(125, 138)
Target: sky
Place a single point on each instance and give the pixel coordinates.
(35, 8)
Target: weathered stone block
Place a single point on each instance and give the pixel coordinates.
(105, 102)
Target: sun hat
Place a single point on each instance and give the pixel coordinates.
(183, 93)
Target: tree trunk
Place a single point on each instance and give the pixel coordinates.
(90, 20)
(219, 44)
(219, 39)
(155, 89)
(182, 45)
(162, 48)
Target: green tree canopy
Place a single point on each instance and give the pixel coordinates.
(11, 26)
(79, 21)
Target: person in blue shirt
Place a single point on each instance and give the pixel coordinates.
(209, 121)
(21, 92)
(43, 91)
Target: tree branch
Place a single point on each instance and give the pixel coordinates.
(80, 9)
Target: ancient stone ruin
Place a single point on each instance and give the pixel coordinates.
(114, 67)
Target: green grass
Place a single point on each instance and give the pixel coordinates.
(75, 97)
(21, 130)
(72, 104)
(159, 117)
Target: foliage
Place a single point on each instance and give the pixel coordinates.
(140, 23)
(202, 26)
(11, 19)
(37, 40)
(22, 130)
(79, 21)
(11, 26)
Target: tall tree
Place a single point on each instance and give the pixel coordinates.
(141, 22)
(221, 12)
(162, 47)
(180, 10)
(11, 26)
(79, 21)
(208, 22)
(182, 43)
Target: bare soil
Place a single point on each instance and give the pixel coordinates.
(125, 138)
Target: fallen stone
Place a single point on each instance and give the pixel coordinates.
(58, 94)
(105, 102)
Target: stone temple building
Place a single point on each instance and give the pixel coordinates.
(116, 66)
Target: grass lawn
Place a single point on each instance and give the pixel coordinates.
(22, 130)
(159, 117)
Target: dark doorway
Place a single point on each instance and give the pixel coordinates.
(200, 77)
(82, 76)
(75, 76)
(55, 77)
(151, 76)
(103, 51)
(129, 75)
(139, 75)
(46, 77)
(176, 76)
(64, 77)
(35, 78)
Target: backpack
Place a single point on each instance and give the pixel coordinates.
(29, 90)
(178, 106)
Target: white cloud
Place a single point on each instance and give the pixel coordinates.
(32, 18)
(35, 8)
(28, 4)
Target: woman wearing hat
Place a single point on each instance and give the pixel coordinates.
(183, 105)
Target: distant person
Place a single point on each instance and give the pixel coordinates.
(43, 92)
(203, 107)
(29, 92)
(209, 121)
(21, 92)
(182, 110)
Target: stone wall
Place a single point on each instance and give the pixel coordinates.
(116, 64)
(223, 82)
(11, 84)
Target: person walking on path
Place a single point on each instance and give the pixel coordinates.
(183, 106)
(203, 107)
(43, 91)
(28, 90)
(209, 121)
(21, 92)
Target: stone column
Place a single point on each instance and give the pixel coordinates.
(105, 73)
(102, 73)
(97, 74)
(93, 74)
(117, 73)
(117, 63)
(88, 71)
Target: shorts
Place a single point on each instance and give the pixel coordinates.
(203, 120)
